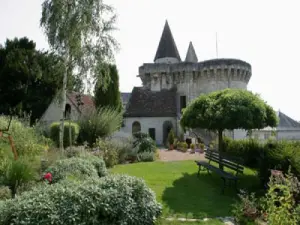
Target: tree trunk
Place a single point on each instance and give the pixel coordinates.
(220, 136)
(63, 106)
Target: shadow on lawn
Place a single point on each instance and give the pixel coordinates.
(201, 197)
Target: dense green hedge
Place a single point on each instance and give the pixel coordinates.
(91, 166)
(112, 200)
(54, 133)
(265, 156)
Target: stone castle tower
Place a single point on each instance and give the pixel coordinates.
(169, 84)
(190, 77)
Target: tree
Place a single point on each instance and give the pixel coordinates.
(80, 32)
(29, 78)
(228, 109)
(110, 97)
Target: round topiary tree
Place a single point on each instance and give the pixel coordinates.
(228, 109)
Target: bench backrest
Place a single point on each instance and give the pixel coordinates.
(229, 162)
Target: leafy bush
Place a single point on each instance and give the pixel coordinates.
(99, 123)
(247, 209)
(202, 146)
(73, 166)
(124, 148)
(143, 143)
(113, 200)
(248, 149)
(175, 143)
(17, 173)
(265, 156)
(74, 151)
(27, 142)
(54, 133)
(108, 152)
(280, 155)
(182, 146)
(98, 163)
(146, 157)
(280, 205)
(5, 193)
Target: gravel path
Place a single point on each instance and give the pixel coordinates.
(174, 155)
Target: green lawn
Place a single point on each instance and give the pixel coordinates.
(182, 193)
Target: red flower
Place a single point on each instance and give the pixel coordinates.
(48, 176)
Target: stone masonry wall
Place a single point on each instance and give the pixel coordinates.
(193, 79)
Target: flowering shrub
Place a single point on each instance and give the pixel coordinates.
(112, 200)
(89, 166)
(280, 205)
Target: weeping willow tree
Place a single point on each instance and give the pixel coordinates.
(80, 31)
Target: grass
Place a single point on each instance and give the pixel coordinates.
(182, 194)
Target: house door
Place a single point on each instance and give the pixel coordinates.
(152, 133)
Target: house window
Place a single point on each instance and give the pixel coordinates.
(182, 102)
(136, 127)
(67, 111)
(267, 136)
(152, 133)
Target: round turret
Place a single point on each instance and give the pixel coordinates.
(192, 79)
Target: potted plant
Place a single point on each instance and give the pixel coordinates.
(193, 147)
(175, 143)
(201, 145)
(184, 146)
(171, 138)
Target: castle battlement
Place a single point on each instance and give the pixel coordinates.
(217, 73)
(233, 69)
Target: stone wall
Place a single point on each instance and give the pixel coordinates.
(193, 79)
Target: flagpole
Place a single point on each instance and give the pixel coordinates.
(217, 53)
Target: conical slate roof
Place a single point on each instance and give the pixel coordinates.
(191, 54)
(287, 122)
(167, 46)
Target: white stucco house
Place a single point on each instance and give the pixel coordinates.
(76, 104)
(287, 129)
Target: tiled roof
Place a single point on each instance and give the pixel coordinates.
(167, 46)
(147, 103)
(81, 101)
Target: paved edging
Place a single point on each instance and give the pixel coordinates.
(225, 220)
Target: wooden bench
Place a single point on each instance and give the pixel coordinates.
(225, 161)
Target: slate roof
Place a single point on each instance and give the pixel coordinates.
(286, 121)
(147, 103)
(167, 46)
(125, 96)
(191, 54)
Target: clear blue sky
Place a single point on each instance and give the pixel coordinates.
(263, 33)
